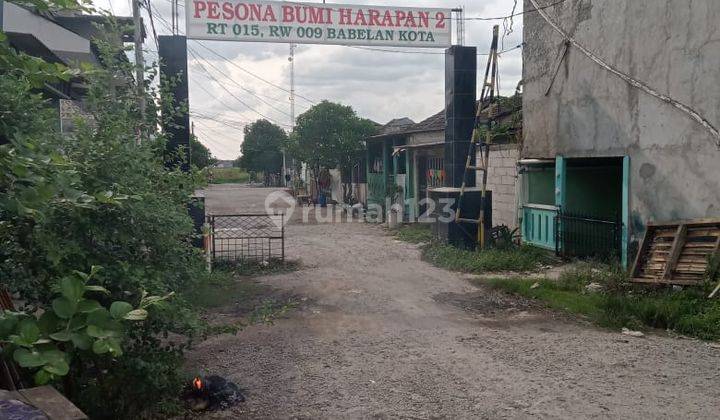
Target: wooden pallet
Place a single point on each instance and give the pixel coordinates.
(676, 252)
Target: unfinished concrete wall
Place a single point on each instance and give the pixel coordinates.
(502, 181)
(673, 46)
(426, 137)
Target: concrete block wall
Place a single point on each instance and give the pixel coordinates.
(670, 45)
(502, 181)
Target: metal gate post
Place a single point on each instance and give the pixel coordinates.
(212, 236)
(282, 235)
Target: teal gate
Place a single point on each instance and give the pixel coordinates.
(539, 225)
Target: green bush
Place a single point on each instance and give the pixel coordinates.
(69, 203)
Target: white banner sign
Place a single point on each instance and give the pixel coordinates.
(318, 23)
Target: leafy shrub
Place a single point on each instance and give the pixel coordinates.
(94, 198)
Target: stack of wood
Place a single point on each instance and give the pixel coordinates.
(43, 399)
(677, 253)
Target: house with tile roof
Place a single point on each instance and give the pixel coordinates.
(405, 160)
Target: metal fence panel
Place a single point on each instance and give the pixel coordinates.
(253, 237)
(580, 235)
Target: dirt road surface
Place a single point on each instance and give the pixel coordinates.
(381, 334)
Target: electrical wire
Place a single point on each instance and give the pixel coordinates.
(632, 81)
(219, 121)
(513, 14)
(212, 78)
(152, 22)
(251, 73)
(203, 138)
(222, 86)
(233, 81)
(167, 26)
(508, 25)
(422, 52)
(211, 95)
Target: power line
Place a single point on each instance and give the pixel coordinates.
(251, 73)
(228, 107)
(152, 22)
(422, 52)
(219, 121)
(512, 15)
(167, 26)
(206, 128)
(211, 77)
(432, 18)
(632, 81)
(229, 92)
(200, 57)
(508, 25)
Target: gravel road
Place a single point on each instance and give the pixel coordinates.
(381, 334)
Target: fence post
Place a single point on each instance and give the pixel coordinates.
(212, 236)
(207, 243)
(282, 235)
(558, 218)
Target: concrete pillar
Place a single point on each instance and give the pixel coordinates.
(460, 98)
(172, 50)
(625, 240)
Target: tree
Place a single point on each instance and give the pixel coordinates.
(200, 156)
(330, 135)
(262, 147)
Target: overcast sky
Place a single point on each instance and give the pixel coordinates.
(378, 85)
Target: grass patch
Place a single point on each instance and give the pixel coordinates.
(223, 286)
(524, 258)
(620, 304)
(258, 268)
(229, 176)
(222, 289)
(414, 233)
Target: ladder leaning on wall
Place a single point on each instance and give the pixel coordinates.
(488, 99)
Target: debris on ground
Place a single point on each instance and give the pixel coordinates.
(632, 333)
(212, 393)
(594, 287)
(535, 285)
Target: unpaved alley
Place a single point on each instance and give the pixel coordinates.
(378, 333)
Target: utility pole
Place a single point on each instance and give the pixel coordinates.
(139, 61)
(292, 105)
(460, 27)
(292, 85)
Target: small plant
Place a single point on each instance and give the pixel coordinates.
(73, 323)
(506, 239)
(272, 309)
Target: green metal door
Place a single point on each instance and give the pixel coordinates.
(539, 225)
